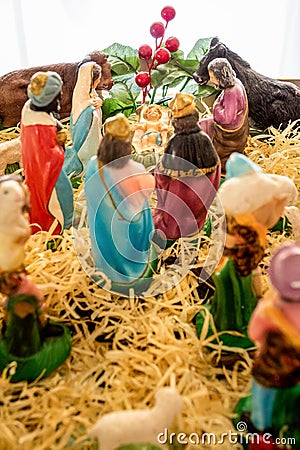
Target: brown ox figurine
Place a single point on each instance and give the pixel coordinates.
(13, 86)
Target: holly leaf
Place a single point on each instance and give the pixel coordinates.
(189, 66)
(112, 106)
(200, 49)
(125, 88)
(191, 87)
(122, 58)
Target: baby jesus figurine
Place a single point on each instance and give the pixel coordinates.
(153, 131)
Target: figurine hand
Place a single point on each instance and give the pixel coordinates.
(97, 102)
(61, 137)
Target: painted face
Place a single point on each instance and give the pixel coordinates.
(213, 79)
(96, 83)
(153, 115)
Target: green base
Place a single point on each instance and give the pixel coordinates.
(231, 307)
(228, 339)
(53, 353)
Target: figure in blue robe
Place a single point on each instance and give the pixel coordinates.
(119, 215)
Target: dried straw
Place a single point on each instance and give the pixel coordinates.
(125, 348)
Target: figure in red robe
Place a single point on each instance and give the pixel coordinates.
(42, 140)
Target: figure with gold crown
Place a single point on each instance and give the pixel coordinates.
(187, 176)
(42, 144)
(120, 221)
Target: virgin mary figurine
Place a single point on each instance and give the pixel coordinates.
(85, 120)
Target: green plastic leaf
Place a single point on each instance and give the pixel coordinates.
(189, 66)
(167, 75)
(112, 106)
(159, 75)
(125, 88)
(200, 49)
(122, 58)
(198, 91)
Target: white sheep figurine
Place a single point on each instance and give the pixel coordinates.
(10, 153)
(14, 222)
(138, 426)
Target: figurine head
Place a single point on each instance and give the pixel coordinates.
(44, 87)
(284, 271)
(117, 127)
(14, 196)
(182, 105)
(248, 190)
(152, 113)
(169, 398)
(96, 76)
(221, 73)
(116, 143)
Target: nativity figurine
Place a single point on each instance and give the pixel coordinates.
(187, 176)
(28, 338)
(271, 102)
(229, 126)
(151, 132)
(253, 202)
(85, 120)
(144, 426)
(13, 86)
(120, 221)
(42, 146)
(273, 406)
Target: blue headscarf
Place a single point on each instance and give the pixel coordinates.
(44, 87)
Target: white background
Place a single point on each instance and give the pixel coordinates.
(266, 33)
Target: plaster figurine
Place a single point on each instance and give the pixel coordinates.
(153, 132)
(274, 327)
(37, 345)
(13, 86)
(42, 145)
(271, 102)
(85, 120)
(119, 215)
(138, 426)
(253, 202)
(187, 176)
(228, 127)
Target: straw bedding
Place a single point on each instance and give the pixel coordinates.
(124, 349)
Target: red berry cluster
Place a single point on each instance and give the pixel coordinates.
(162, 52)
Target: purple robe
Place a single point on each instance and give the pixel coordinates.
(229, 126)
